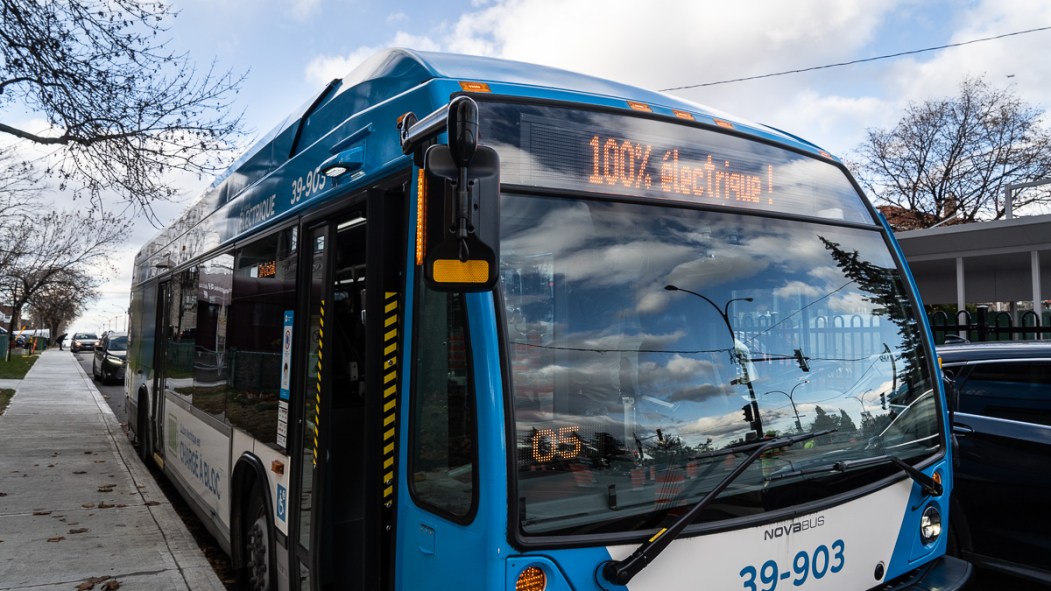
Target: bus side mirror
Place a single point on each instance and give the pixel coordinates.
(461, 206)
(462, 126)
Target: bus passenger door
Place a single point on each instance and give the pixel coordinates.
(330, 535)
(176, 329)
(153, 446)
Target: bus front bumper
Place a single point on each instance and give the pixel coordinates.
(947, 573)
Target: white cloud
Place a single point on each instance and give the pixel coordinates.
(670, 43)
(679, 366)
(324, 68)
(682, 42)
(1023, 56)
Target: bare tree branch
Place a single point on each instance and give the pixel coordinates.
(955, 156)
(54, 251)
(122, 108)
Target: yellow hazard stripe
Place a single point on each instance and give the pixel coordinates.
(390, 383)
(317, 393)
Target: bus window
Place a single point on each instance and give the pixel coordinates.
(647, 343)
(263, 289)
(181, 326)
(443, 415)
(211, 364)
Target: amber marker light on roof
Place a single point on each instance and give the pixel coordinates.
(474, 86)
(531, 579)
(684, 115)
(722, 123)
(640, 106)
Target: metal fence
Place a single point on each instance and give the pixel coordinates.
(984, 325)
(838, 336)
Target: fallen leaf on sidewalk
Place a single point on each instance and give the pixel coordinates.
(90, 583)
(80, 471)
(38, 513)
(105, 505)
(56, 538)
(111, 585)
(88, 505)
(107, 487)
(152, 503)
(78, 530)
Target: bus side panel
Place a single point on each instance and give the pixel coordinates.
(434, 552)
(909, 550)
(844, 547)
(274, 461)
(198, 455)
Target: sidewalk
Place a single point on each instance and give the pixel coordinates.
(76, 503)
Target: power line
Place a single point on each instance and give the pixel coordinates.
(859, 61)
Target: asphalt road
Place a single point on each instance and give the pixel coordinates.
(114, 394)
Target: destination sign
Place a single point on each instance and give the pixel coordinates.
(627, 155)
(623, 162)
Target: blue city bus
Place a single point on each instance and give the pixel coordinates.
(463, 323)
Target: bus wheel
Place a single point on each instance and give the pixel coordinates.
(257, 541)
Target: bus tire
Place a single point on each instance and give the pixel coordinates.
(257, 545)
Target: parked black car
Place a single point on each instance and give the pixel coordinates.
(1001, 515)
(83, 341)
(110, 357)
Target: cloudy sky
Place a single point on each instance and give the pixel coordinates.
(291, 48)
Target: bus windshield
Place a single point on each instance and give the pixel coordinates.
(647, 341)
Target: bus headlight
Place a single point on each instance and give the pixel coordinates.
(532, 578)
(930, 524)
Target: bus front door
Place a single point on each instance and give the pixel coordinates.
(331, 534)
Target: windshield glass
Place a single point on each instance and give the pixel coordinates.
(118, 343)
(646, 342)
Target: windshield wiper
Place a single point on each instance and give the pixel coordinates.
(621, 572)
(930, 486)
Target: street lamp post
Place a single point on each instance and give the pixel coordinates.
(724, 312)
(792, 401)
